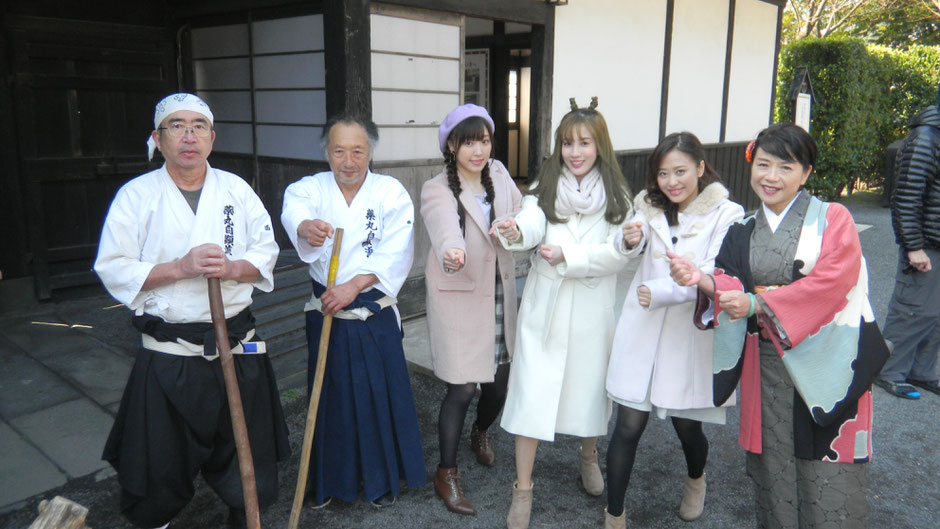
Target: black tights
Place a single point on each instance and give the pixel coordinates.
(622, 451)
(454, 411)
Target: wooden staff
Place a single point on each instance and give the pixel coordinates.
(245, 464)
(317, 388)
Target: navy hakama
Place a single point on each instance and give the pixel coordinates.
(367, 427)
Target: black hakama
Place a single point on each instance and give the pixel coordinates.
(174, 422)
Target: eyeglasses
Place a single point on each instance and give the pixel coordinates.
(178, 130)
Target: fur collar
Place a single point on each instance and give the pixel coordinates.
(710, 197)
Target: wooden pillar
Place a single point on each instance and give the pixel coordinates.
(540, 106)
(667, 59)
(12, 217)
(348, 55)
(499, 93)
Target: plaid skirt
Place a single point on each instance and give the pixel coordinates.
(502, 353)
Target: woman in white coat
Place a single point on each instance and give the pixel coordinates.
(572, 215)
(660, 362)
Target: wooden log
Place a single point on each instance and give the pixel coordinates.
(246, 465)
(60, 513)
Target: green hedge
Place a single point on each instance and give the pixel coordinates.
(864, 97)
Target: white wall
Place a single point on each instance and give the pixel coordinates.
(416, 75)
(286, 59)
(697, 68)
(612, 49)
(752, 74)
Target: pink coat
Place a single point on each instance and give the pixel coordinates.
(461, 306)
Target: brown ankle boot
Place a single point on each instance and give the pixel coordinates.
(521, 507)
(447, 487)
(480, 445)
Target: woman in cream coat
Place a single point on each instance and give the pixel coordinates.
(572, 216)
(471, 289)
(660, 361)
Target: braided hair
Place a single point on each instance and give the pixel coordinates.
(473, 129)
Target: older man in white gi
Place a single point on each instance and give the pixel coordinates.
(367, 428)
(166, 232)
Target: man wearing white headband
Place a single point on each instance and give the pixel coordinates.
(165, 233)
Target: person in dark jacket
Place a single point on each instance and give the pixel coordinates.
(913, 322)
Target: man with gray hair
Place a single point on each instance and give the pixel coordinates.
(367, 427)
(165, 233)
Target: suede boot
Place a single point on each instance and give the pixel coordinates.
(447, 487)
(521, 507)
(615, 522)
(591, 476)
(480, 445)
(693, 498)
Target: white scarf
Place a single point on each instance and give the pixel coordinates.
(585, 198)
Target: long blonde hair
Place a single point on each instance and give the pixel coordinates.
(615, 185)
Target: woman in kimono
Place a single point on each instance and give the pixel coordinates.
(659, 361)
(571, 218)
(789, 298)
(468, 277)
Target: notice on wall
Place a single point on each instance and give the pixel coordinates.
(802, 113)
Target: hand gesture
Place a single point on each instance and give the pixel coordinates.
(632, 233)
(454, 259)
(552, 253)
(508, 229)
(334, 299)
(644, 296)
(206, 259)
(919, 260)
(315, 232)
(735, 302)
(683, 271)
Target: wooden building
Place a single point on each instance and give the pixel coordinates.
(80, 80)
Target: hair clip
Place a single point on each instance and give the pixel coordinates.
(593, 104)
(574, 106)
(749, 152)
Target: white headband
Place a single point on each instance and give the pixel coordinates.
(175, 103)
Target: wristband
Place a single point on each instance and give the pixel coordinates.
(753, 306)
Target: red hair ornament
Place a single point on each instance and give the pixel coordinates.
(749, 152)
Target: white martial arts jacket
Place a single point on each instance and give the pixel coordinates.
(150, 223)
(378, 228)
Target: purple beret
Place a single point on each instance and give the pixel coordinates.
(456, 116)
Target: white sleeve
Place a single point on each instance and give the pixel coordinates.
(261, 250)
(118, 263)
(593, 259)
(664, 291)
(531, 222)
(302, 202)
(394, 253)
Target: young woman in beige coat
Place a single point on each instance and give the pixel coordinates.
(471, 288)
(566, 320)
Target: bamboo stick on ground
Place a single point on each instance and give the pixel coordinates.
(315, 391)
